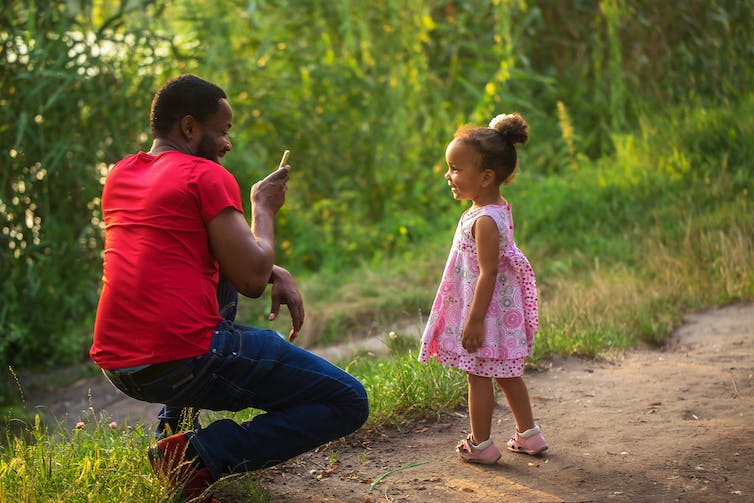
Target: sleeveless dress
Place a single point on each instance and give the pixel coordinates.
(512, 317)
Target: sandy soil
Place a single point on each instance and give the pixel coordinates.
(675, 424)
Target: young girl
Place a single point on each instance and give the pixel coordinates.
(484, 316)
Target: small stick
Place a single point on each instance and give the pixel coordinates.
(735, 388)
(284, 159)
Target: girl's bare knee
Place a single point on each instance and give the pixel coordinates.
(506, 383)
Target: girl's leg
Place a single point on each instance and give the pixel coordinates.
(517, 396)
(481, 403)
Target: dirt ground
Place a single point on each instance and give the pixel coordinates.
(675, 424)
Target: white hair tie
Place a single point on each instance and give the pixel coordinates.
(497, 120)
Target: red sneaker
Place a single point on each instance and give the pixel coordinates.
(169, 462)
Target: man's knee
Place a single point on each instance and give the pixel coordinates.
(359, 407)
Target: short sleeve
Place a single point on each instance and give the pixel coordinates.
(216, 189)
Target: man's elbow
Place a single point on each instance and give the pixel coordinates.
(252, 280)
(252, 292)
(255, 286)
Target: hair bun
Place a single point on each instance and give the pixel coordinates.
(498, 119)
(512, 127)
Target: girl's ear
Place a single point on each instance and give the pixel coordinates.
(488, 177)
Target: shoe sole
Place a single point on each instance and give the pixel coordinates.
(530, 452)
(480, 462)
(465, 448)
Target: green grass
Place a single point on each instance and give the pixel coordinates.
(92, 462)
(98, 462)
(623, 248)
(401, 390)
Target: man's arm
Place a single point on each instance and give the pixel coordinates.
(245, 259)
(246, 254)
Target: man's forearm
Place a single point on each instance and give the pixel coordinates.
(263, 230)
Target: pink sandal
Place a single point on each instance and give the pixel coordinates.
(487, 456)
(531, 441)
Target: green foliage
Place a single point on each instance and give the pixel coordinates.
(661, 227)
(688, 161)
(64, 120)
(366, 95)
(615, 59)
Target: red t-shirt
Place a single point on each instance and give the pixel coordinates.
(159, 282)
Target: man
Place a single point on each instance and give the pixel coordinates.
(174, 225)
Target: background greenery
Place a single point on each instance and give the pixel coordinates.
(633, 199)
(633, 203)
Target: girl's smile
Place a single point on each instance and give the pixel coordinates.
(463, 175)
(467, 181)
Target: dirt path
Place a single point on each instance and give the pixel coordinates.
(673, 425)
(660, 426)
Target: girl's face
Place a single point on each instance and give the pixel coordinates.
(464, 176)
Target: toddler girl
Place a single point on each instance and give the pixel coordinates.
(484, 316)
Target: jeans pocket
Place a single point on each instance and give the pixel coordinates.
(229, 395)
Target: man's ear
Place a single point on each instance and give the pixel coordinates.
(189, 127)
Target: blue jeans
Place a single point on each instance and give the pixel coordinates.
(307, 400)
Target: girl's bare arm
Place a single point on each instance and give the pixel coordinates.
(487, 237)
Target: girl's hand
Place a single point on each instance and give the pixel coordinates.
(472, 335)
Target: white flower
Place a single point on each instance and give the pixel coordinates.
(497, 120)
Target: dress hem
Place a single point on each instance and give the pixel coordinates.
(483, 367)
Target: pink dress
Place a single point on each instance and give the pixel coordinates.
(512, 318)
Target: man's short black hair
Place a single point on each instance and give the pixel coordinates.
(181, 96)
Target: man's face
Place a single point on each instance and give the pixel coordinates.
(214, 141)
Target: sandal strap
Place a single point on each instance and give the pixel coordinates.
(464, 446)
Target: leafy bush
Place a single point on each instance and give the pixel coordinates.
(67, 111)
(366, 96)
